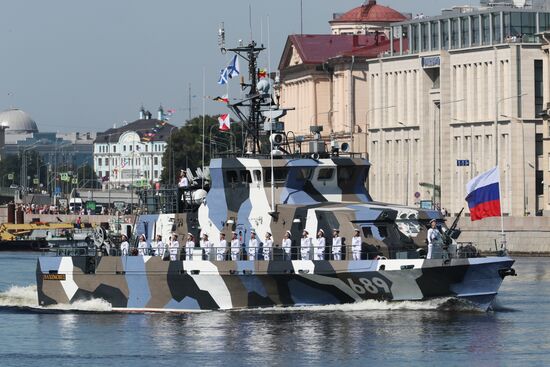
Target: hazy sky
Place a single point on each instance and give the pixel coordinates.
(86, 65)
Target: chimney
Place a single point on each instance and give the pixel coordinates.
(160, 113)
(148, 115)
(141, 113)
(355, 41)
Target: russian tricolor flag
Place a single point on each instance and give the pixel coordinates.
(483, 195)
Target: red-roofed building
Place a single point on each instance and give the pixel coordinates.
(324, 77)
(369, 17)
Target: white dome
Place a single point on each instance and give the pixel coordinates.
(17, 121)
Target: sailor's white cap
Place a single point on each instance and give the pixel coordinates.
(357, 230)
(433, 220)
(289, 233)
(335, 230)
(222, 234)
(305, 231)
(252, 231)
(268, 233)
(190, 234)
(321, 230)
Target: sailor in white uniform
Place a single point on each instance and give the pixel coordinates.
(189, 246)
(305, 245)
(320, 245)
(174, 247)
(336, 244)
(159, 246)
(356, 244)
(220, 251)
(252, 246)
(235, 247)
(206, 245)
(286, 244)
(268, 245)
(124, 246)
(143, 246)
(434, 238)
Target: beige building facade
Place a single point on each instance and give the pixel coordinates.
(466, 97)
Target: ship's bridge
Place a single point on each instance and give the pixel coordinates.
(295, 180)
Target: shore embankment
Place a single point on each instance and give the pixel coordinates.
(525, 236)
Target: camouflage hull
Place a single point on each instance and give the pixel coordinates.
(144, 283)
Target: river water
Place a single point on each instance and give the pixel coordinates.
(434, 332)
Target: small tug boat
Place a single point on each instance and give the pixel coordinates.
(363, 250)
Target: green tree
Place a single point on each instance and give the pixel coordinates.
(185, 145)
(87, 177)
(11, 164)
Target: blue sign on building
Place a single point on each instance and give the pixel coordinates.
(462, 162)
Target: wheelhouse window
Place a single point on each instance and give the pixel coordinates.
(245, 176)
(231, 176)
(325, 173)
(345, 173)
(257, 175)
(280, 174)
(304, 174)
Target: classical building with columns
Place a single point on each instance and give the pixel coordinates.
(465, 95)
(131, 155)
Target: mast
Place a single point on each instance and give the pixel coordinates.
(253, 99)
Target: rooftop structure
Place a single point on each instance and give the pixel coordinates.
(368, 17)
(466, 27)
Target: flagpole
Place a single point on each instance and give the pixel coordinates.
(502, 234)
(203, 121)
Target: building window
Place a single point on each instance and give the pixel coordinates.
(107, 161)
(445, 34)
(475, 30)
(124, 148)
(486, 29)
(465, 31)
(424, 27)
(435, 36)
(146, 148)
(496, 28)
(538, 145)
(414, 37)
(155, 161)
(99, 174)
(544, 21)
(539, 185)
(131, 147)
(156, 174)
(114, 148)
(454, 33)
(99, 160)
(539, 94)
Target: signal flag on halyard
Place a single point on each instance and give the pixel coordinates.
(223, 98)
(233, 68)
(483, 195)
(225, 123)
(223, 77)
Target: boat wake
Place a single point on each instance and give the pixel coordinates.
(435, 304)
(25, 299)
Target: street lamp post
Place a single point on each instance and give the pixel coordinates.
(438, 135)
(496, 121)
(408, 160)
(525, 198)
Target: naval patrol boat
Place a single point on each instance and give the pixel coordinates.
(273, 188)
